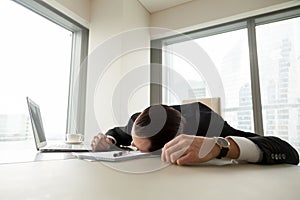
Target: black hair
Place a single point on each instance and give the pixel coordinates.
(159, 124)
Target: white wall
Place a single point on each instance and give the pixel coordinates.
(204, 13)
(110, 62)
(79, 10)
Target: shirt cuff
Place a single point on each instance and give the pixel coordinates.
(112, 138)
(249, 151)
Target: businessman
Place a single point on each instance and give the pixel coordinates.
(193, 133)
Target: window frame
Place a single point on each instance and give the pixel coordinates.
(78, 67)
(250, 24)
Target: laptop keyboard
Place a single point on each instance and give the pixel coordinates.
(59, 146)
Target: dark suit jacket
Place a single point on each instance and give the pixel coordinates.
(202, 121)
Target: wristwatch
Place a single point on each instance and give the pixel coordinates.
(224, 145)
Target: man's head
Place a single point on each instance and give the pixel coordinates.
(156, 126)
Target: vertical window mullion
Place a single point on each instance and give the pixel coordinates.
(254, 72)
(156, 72)
(77, 86)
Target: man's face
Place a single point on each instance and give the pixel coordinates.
(143, 144)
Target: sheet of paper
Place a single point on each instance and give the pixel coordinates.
(113, 155)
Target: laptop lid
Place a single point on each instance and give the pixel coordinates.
(37, 124)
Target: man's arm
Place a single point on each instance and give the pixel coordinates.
(122, 135)
(248, 150)
(262, 150)
(119, 136)
(269, 150)
(185, 149)
(275, 150)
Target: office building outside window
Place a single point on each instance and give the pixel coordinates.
(279, 64)
(261, 96)
(229, 53)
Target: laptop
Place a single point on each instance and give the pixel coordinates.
(39, 134)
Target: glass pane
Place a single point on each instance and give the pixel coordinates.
(35, 62)
(230, 56)
(279, 67)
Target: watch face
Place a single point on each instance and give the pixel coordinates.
(223, 142)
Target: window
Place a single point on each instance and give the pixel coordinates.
(258, 61)
(298, 126)
(38, 50)
(229, 53)
(279, 69)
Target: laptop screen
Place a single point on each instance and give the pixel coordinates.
(36, 121)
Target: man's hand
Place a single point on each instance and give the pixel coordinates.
(101, 143)
(185, 149)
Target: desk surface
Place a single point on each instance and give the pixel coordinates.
(79, 179)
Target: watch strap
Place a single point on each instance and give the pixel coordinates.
(223, 152)
(224, 146)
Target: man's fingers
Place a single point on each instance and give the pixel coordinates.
(187, 158)
(173, 142)
(100, 143)
(172, 153)
(93, 146)
(94, 143)
(104, 144)
(168, 150)
(177, 154)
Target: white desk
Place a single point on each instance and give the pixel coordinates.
(77, 179)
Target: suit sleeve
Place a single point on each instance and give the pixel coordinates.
(122, 135)
(275, 150)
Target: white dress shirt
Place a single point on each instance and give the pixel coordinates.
(249, 151)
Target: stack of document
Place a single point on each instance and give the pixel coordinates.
(113, 156)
